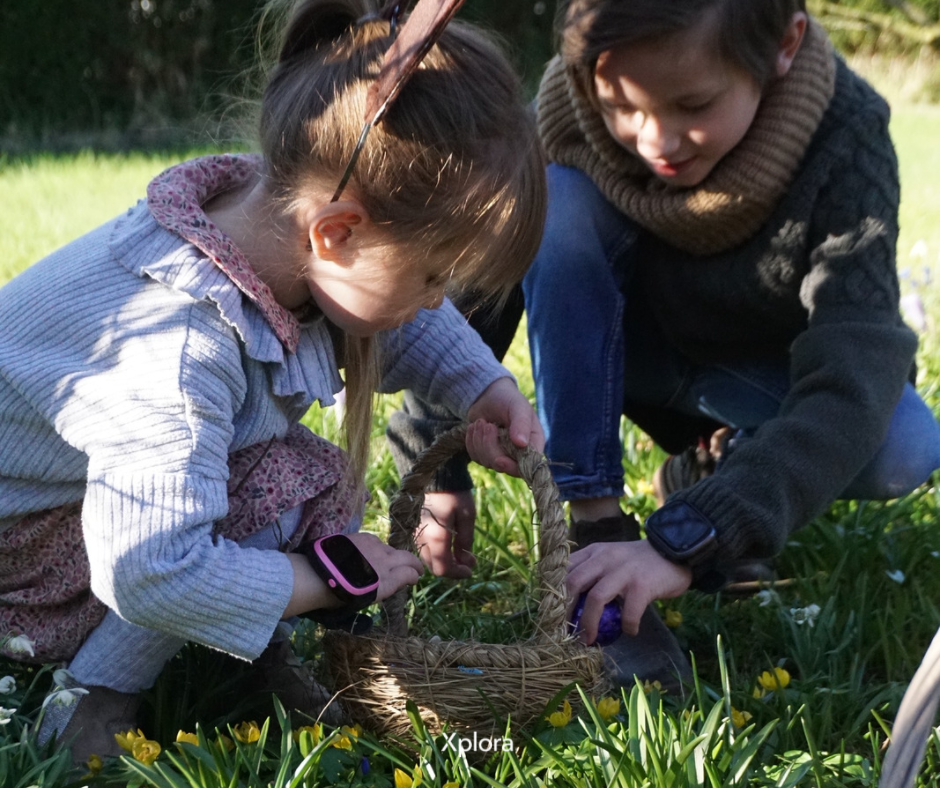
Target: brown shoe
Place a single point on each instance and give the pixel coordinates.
(278, 671)
(681, 471)
(653, 654)
(90, 726)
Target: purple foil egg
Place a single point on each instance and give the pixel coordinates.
(609, 628)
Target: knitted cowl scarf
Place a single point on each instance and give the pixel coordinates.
(738, 195)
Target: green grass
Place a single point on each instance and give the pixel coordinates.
(871, 568)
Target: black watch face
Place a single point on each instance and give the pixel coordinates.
(347, 565)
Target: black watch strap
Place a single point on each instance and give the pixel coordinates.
(680, 532)
(352, 603)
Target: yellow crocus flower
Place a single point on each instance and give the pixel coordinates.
(315, 731)
(145, 750)
(649, 686)
(189, 738)
(404, 780)
(608, 708)
(247, 732)
(774, 680)
(451, 784)
(739, 718)
(126, 740)
(673, 618)
(94, 763)
(560, 719)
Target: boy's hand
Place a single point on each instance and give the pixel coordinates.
(502, 405)
(445, 535)
(633, 571)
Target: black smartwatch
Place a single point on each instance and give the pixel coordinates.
(680, 532)
(346, 572)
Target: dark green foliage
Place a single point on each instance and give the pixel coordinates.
(132, 65)
(149, 70)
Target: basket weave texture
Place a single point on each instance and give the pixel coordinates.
(466, 685)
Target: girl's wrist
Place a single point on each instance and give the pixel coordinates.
(310, 591)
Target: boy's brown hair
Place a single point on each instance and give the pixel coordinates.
(748, 32)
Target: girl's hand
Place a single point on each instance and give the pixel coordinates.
(502, 405)
(633, 571)
(395, 568)
(445, 535)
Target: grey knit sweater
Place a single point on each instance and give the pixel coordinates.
(130, 367)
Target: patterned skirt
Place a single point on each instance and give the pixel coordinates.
(45, 577)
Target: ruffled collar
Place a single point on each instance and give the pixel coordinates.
(175, 199)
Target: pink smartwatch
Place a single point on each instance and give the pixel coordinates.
(338, 563)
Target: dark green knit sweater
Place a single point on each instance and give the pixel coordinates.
(817, 283)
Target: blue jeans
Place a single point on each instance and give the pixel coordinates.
(595, 347)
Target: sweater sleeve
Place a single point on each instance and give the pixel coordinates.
(847, 369)
(153, 410)
(440, 358)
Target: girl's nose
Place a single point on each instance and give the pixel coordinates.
(655, 139)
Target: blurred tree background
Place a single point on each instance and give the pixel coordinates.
(131, 73)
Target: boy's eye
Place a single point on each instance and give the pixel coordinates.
(699, 106)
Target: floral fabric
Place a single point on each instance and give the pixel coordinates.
(175, 198)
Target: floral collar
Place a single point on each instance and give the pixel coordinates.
(175, 199)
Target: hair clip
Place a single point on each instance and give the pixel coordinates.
(414, 40)
(392, 14)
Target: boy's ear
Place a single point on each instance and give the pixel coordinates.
(790, 45)
(330, 226)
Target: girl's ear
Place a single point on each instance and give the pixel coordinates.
(330, 226)
(790, 45)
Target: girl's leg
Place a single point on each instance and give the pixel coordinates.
(129, 658)
(118, 660)
(575, 322)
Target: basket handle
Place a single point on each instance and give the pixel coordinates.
(405, 515)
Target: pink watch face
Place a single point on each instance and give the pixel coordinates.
(348, 567)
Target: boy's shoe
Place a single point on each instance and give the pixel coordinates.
(89, 725)
(681, 471)
(279, 672)
(653, 654)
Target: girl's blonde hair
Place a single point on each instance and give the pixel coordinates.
(453, 173)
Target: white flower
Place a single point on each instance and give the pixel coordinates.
(897, 575)
(20, 645)
(5, 715)
(920, 249)
(7, 685)
(64, 697)
(767, 597)
(805, 615)
(63, 678)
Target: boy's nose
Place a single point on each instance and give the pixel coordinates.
(655, 139)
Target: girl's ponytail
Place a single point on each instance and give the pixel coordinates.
(317, 22)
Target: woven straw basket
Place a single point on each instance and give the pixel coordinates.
(467, 685)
